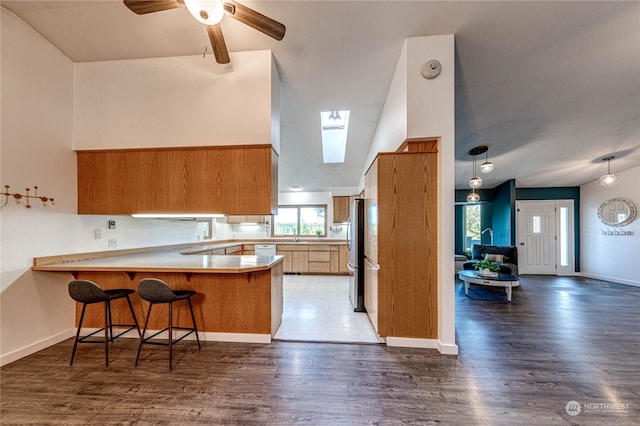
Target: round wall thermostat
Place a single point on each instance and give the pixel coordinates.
(431, 69)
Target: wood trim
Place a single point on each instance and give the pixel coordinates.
(183, 148)
(419, 145)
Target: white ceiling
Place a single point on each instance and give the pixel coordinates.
(549, 87)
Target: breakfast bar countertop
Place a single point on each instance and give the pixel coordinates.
(168, 261)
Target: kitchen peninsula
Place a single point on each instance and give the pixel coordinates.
(239, 298)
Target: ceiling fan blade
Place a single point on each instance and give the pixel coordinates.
(142, 7)
(217, 44)
(255, 20)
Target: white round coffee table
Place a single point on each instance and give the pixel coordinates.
(502, 280)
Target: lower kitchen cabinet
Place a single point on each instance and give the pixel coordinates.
(343, 259)
(233, 250)
(314, 258)
(320, 258)
(296, 257)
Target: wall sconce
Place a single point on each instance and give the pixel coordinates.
(608, 179)
(18, 197)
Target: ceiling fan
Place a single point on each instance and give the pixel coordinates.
(210, 13)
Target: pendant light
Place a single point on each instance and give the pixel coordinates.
(487, 166)
(474, 197)
(608, 179)
(475, 181)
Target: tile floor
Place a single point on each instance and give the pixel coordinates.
(317, 308)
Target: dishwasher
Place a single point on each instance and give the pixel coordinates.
(265, 250)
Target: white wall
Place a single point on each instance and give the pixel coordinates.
(416, 107)
(37, 141)
(177, 101)
(37, 119)
(610, 257)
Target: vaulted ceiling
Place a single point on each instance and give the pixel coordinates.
(550, 87)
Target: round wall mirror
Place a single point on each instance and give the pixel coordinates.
(617, 212)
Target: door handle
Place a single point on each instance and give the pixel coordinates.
(521, 244)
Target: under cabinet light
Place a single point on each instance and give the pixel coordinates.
(174, 215)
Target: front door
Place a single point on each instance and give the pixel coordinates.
(536, 222)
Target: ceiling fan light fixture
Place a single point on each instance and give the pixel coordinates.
(208, 12)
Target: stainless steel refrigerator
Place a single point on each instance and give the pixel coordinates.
(356, 255)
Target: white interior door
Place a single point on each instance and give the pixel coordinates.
(536, 227)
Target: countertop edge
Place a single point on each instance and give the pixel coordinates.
(200, 270)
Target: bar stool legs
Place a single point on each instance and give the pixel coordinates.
(157, 291)
(88, 292)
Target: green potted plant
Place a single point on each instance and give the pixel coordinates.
(318, 232)
(487, 268)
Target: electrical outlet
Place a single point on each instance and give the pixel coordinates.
(97, 234)
(113, 242)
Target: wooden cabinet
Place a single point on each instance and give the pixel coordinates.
(319, 258)
(343, 259)
(401, 230)
(222, 179)
(249, 249)
(341, 209)
(314, 258)
(296, 257)
(233, 250)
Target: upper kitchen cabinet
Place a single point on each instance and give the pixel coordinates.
(341, 207)
(221, 179)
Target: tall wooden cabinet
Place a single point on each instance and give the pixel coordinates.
(401, 244)
(221, 179)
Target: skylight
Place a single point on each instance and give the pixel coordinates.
(335, 125)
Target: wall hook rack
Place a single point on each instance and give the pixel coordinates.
(18, 197)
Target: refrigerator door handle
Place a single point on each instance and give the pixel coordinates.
(351, 267)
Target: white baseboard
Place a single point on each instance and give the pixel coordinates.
(610, 279)
(408, 342)
(447, 348)
(35, 347)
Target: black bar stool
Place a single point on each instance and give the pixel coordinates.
(87, 292)
(155, 291)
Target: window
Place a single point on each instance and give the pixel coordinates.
(310, 220)
(536, 224)
(335, 126)
(471, 225)
(564, 236)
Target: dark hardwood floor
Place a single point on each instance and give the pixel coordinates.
(561, 339)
